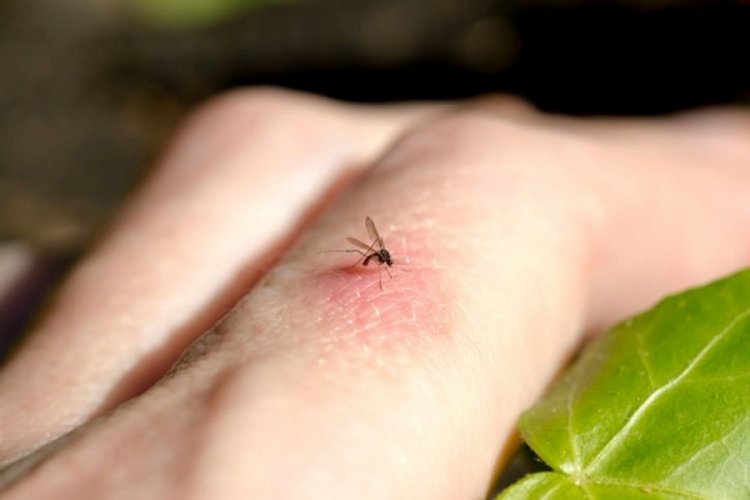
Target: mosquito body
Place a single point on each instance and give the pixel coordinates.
(375, 251)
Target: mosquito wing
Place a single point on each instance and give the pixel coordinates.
(373, 232)
(361, 244)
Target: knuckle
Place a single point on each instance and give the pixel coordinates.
(460, 137)
(255, 113)
(504, 163)
(240, 123)
(263, 104)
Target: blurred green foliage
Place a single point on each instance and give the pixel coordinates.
(186, 14)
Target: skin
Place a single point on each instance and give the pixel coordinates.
(514, 236)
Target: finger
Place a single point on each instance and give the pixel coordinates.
(677, 199)
(696, 137)
(239, 179)
(648, 159)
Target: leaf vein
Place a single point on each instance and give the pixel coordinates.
(652, 487)
(551, 491)
(707, 447)
(622, 434)
(571, 432)
(644, 361)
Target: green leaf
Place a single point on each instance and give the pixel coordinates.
(659, 407)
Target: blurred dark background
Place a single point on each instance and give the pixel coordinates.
(89, 89)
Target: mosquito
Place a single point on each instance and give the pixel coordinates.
(375, 251)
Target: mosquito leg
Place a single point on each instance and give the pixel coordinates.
(363, 259)
(347, 251)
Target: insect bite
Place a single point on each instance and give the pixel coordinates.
(374, 252)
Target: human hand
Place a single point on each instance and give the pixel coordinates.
(519, 234)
